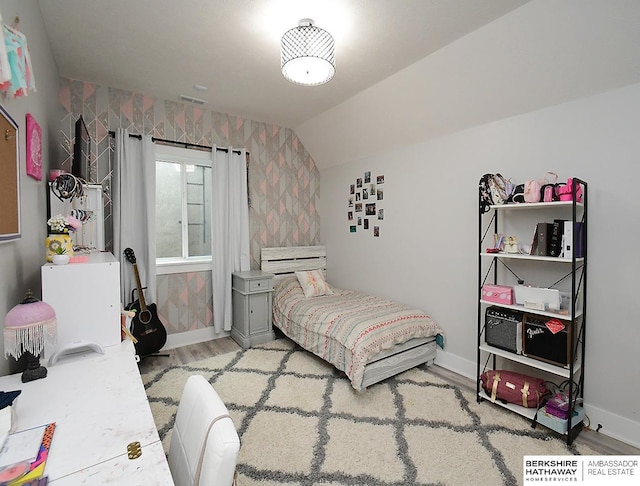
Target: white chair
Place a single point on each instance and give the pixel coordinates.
(204, 443)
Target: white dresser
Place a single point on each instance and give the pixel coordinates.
(86, 299)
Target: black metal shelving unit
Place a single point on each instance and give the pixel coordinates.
(493, 267)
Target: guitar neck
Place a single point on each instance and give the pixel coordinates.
(143, 305)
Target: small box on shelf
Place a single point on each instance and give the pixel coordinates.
(500, 294)
(558, 424)
(537, 298)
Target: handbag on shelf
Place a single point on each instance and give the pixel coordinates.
(549, 193)
(565, 191)
(493, 190)
(534, 189)
(498, 189)
(509, 386)
(517, 195)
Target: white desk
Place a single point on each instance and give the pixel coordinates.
(99, 405)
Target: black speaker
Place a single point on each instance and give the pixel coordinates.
(503, 328)
(546, 340)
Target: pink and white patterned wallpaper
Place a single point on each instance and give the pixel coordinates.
(284, 181)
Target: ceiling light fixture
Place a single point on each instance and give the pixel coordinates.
(307, 54)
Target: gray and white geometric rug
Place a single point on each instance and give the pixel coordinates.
(301, 423)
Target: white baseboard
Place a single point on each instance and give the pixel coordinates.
(187, 338)
(456, 364)
(620, 428)
(613, 425)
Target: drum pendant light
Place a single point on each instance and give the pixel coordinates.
(307, 54)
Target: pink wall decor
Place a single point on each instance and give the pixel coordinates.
(34, 148)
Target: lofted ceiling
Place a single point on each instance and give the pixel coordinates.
(406, 70)
(232, 47)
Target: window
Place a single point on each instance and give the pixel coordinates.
(183, 205)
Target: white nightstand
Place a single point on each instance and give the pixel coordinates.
(252, 294)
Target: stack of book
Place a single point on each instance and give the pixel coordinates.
(556, 239)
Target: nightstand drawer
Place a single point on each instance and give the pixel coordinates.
(262, 284)
(252, 281)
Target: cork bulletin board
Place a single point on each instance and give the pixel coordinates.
(9, 178)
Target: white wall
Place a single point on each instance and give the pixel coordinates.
(427, 252)
(543, 53)
(20, 260)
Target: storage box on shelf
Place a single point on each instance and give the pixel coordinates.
(539, 328)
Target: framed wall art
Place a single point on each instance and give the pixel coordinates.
(10, 180)
(34, 148)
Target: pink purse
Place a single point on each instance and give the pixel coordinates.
(533, 188)
(549, 193)
(565, 192)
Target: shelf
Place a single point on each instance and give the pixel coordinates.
(519, 256)
(540, 205)
(514, 217)
(534, 363)
(522, 308)
(519, 409)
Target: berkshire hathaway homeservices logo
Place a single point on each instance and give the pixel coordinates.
(583, 470)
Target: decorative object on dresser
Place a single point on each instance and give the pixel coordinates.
(146, 326)
(543, 328)
(86, 205)
(367, 337)
(27, 328)
(60, 257)
(59, 240)
(252, 298)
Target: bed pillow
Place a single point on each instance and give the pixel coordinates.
(313, 283)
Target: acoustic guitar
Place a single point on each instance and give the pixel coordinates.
(146, 326)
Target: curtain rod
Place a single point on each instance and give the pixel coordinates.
(181, 144)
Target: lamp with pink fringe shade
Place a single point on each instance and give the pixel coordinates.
(27, 328)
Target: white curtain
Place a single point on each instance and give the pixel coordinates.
(134, 202)
(229, 228)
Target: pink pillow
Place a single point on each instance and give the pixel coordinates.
(313, 283)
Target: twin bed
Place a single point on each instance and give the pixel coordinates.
(367, 337)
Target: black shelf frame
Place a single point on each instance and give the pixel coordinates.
(578, 275)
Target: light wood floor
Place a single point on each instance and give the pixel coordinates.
(597, 441)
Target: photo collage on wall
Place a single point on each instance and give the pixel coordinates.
(365, 211)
